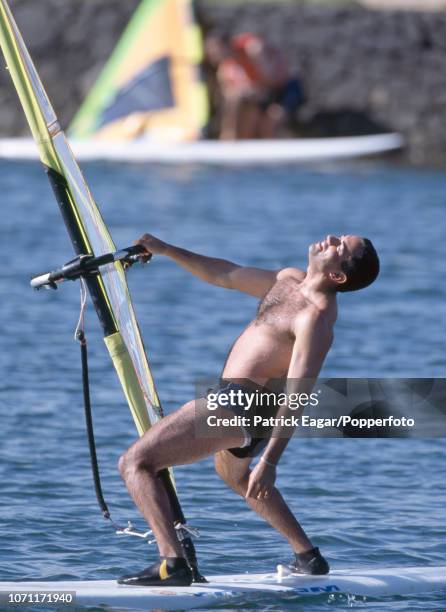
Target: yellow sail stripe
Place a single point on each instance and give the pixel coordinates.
(12, 46)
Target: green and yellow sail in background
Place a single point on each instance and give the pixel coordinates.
(151, 85)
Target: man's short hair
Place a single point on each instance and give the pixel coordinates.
(361, 270)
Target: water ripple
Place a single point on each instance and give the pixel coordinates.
(365, 502)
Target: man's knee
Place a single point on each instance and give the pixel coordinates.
(133, 461)
(239, 484)
(235, 479)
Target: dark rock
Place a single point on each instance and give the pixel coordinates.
(387, 67)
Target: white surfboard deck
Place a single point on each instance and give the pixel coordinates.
(243, 152)
(362, 582)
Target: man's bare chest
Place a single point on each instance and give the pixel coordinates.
(281, 304)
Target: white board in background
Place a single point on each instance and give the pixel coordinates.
(228, 153)
(362, 582)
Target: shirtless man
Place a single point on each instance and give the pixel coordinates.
(289, 340)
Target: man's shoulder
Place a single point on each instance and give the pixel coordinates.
(294, 273)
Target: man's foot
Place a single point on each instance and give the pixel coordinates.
(310, 562)
(168, 571)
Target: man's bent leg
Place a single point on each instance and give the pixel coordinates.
(274, 510)
(171, 441)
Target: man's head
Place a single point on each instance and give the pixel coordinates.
(349, 263)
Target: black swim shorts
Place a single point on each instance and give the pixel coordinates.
(256, 437)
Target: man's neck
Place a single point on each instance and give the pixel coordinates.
(314, 288)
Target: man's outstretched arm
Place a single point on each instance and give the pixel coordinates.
(220, 272)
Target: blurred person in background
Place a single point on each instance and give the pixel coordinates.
(216, 50)
(259, 95)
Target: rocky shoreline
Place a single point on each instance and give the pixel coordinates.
(359, 67)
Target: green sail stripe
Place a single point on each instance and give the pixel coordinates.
(84, 122)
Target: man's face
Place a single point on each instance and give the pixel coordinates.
(328, 254)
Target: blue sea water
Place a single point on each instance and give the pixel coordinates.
(370, 502)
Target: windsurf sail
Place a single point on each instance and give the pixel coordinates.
(90, 237)
(151, 85)
(87, 230)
